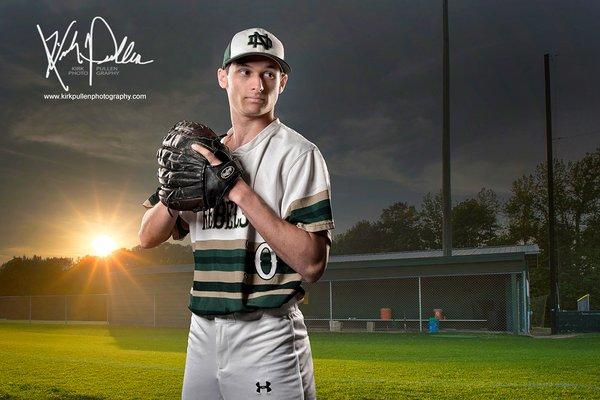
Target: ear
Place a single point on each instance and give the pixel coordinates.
(283, 82)
(222, 78)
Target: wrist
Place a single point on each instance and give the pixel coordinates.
(238, 191)
(173, 214)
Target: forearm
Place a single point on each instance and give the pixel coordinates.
(157, 226)
(305, 252)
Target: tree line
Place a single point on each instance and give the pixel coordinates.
(480, 220)
(86, 275)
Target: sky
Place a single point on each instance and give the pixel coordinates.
(365, 87)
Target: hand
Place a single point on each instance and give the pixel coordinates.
(209, 155)
(214, 160)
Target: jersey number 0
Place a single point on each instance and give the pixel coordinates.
(265, 249)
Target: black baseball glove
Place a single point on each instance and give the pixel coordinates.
(187, 180)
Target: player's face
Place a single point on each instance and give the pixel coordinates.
(253, 85)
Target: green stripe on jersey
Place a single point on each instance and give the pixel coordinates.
(217, 297)
(226, 256)
(320, 211)
(241, 287)
(219, 306)
(235, 260)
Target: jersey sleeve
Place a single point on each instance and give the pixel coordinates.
(180, 231)
(307, 197)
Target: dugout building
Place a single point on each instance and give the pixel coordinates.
(481, 289)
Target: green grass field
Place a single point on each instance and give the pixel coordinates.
(98, 362)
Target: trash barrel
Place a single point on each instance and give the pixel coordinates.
(385, 313)
(434, 326)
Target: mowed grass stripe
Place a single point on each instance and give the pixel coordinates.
(70, 362)
(99, 362)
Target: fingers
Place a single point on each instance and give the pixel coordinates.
(209, 155)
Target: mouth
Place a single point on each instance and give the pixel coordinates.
(256, 99)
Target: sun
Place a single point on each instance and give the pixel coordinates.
(103, 245)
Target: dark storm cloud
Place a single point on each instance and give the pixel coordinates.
(365, 87)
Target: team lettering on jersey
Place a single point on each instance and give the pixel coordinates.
(224, 216)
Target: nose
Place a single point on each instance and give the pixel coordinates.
(258, 84)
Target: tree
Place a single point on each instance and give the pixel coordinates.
(363, 237)
(31, 276)
(400, 226)
(430, 218)
(577, 208)
(524, 211)
(88, 274)
(474, 221)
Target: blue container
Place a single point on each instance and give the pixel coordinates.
(434, 325)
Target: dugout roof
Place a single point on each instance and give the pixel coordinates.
(466, 261)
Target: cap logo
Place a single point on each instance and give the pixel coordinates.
(256, 38)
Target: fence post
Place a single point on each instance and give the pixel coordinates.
(420, 308)
(154, 309)
(524, 307)
(330, 302)
(29, 309)
(107, 308)
(514, 302)
(65, 309)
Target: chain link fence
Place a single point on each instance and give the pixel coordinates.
(495, 302)
(136, 308)
(56, 308)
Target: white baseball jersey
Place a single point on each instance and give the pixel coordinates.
(235, 269)
(247, 335)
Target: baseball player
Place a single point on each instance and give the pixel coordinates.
(247, 335)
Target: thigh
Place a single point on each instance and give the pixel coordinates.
(262, 361)
(303, 350)
(200, 376)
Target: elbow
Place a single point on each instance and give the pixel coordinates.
(315, 272)
(146, 245)
(146, 242)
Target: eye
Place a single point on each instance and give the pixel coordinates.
(245, 72)
(270, 75)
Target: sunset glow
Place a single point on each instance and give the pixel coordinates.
(103, 245)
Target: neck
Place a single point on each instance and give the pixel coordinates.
(244, 129)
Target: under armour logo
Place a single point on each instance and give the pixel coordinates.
(256, 38)
(267, 386)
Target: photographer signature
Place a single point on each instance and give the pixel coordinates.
(121, 55)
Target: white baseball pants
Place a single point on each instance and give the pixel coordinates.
(263, 354)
